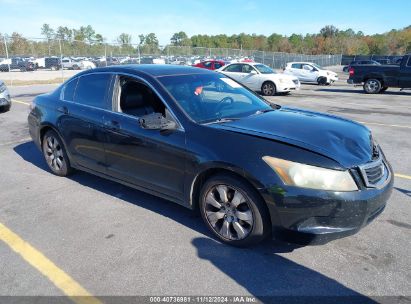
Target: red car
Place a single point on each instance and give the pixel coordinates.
(210, 64)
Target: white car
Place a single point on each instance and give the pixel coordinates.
(5, 100)
(87, 64)
(261, 78)
(310, 72)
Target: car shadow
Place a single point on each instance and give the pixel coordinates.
(404, 191)
(261, 270)
(360, 91)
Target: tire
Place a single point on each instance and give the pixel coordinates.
(4, 109)
(372, 86)
(55, 154)
(322, 80)
(240, 224)
(268, 88)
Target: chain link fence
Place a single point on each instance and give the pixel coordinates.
(384, 59)
(66, 57)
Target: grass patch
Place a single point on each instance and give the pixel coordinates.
(17, 82)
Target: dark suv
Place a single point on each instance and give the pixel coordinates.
(202, 140)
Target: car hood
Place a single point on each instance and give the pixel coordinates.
(345, 141)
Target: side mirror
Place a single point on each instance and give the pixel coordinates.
(156, 121)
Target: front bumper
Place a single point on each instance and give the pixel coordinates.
(287, 86)
(308, 216)
(5, 100)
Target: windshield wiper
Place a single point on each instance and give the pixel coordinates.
(222, 120)
(263, 111)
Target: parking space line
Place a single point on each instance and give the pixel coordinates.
(384, 125)
(19, 101)
(402, 176)
(57, 276)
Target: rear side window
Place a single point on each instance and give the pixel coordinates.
(69, 90)
(234, 68)
(296, 66)
(92, 89)
(217, 65)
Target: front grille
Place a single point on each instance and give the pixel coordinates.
(375, 173)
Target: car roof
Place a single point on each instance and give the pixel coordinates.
(154, 70)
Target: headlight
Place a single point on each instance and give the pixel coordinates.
(306, 176)
(2, 88)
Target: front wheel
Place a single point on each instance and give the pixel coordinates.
(268, 88)
(372, 86)
(55, 154)
(233, 211)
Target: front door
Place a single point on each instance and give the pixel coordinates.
(150, 159)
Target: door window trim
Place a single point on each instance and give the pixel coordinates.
(115, 98)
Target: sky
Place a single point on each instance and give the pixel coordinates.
(164, 18)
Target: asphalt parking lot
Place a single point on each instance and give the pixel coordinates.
(113, 240)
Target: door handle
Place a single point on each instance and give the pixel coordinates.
(63, 109)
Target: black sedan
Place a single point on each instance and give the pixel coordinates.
(202, 140)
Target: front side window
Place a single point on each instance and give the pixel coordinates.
(247, 68)
(92, 90)
(208, 98)
(137, 99)
(207, 64)
(263, 69)
(69, 90)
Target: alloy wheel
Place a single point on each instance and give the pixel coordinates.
(372, 86)
(228, 212)
(268, 89)
(54, 154)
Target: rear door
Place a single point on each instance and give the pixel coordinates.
(235, 71)
(84, 103)
(295, 70)
(405, 74)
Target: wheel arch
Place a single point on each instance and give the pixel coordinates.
(214, 169)
(48, 126)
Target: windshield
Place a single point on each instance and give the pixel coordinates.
(318, 66)
(212, 97)
(263, 69)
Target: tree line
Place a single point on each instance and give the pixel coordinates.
(329, 40)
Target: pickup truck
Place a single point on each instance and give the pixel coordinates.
(17, 63)
(378, 78)
(70, 64)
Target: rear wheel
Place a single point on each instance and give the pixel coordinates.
(55, 154)
(233, 211)
(372, 86)
(268, 88)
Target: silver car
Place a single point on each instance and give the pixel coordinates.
(5, 100)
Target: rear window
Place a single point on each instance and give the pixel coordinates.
(92, 89)
(69, 89)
